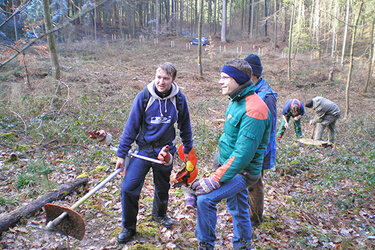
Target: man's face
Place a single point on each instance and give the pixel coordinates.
(163, 81)
(228, 84)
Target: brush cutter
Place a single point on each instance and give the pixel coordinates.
(68, 221)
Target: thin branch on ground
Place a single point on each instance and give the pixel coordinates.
(24, 123)
(67, 96)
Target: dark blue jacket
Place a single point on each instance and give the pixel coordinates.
(153, 126)
(264, 90)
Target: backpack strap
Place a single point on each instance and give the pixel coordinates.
(146, 98)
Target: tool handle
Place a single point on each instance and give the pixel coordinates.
(52, 224)
(93, 191)
(113, 148)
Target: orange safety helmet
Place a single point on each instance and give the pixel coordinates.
(184, 176)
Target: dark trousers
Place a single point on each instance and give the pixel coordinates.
(256, 201)
(132, 185)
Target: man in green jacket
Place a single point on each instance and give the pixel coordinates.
(241, 150)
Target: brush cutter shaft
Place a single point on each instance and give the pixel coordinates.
(93, 191)
(140, 156)
(52, 224)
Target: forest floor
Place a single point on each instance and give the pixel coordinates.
(314, 197)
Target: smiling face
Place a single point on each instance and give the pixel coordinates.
(163, 81)
(228, 84)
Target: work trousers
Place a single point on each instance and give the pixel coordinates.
(297, 127)
(329, 121)
(132, 185)
(256, 201)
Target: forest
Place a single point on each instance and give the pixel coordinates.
(68, 67)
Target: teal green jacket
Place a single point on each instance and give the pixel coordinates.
(247, 131)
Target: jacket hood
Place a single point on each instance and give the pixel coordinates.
(151, 88)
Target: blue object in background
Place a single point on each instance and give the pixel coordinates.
(203, 40)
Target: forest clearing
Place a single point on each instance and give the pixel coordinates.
(52, 93)
(315, 197)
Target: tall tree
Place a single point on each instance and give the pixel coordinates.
(181, 15)
(351, 60)
(251, 22)
(345, 32)
(265, 18)
(52, 46)
(275, 25)
(291, 41)
(334, 26)
(200, 38)
(224, 22)
(370, 58)
(157, 8)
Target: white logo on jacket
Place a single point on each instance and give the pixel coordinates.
(160, 120)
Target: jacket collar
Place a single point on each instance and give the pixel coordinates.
(242, 91)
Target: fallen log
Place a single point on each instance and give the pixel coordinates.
(12, 218)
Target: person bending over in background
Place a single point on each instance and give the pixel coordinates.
(295, 109)
(264, 90)
(241, 150)
(326, 115)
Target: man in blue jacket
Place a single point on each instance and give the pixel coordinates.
(264, 90)
(241, 150)
(295, 109)
(151, 121)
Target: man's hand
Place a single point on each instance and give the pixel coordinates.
(120, 163)
(186, 157)
(165, 156)
(286, 125)
(205, 185)
(297, 117)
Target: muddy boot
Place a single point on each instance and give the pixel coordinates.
(125, 235)
(167, 223)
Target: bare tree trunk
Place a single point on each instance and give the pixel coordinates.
(157, 18)
(290, 42)
(200, 38)
(224, 22)
(275, 27)
(351, 61)
(265, 18)
(230, 17)
(334, 26)
(215, 16)
(370, 57)
(181, 15)
(251, 23)
(345, 32)
(52, 46)
(15, 23)
(95, 20)
(209, 16)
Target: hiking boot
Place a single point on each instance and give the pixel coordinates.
(205, 246)
(168, 223)
(125, 235)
